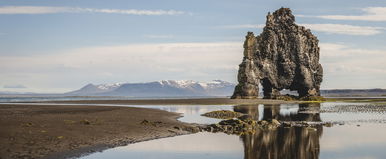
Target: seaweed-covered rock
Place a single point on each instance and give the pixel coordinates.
(242, 126)
(223, 114)
(284, 56)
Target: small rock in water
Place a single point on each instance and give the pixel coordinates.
(237, 126)
(328, 124)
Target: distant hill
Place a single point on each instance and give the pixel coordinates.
(353, 92)
(346, 92)
(164, 88)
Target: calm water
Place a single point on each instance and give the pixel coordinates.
(40, 98)
(363, 136)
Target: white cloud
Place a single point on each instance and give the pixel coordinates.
(344, 29)
(70, 69)
(31, 10)
(165, 55)
(50, 10)
(371, 14)
(342, 50)
(347, 66)
(18, 86)
(125, 63)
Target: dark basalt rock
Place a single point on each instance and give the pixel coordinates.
(283, 56)
(242, 126)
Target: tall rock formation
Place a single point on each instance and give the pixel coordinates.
(283, 56)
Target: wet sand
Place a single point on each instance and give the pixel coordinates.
(33, 131)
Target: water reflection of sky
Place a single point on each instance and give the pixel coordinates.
(192, 113)
(352, 142)
(195, 146)
(345, 142)
(357, 140)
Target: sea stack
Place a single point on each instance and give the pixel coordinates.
(284, 56)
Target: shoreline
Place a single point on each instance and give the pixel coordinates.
(195, 101)
(33, 131)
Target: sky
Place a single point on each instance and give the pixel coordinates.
(57, 46)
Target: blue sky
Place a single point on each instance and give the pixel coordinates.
(58, 46)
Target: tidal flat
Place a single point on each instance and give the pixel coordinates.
(124, 129)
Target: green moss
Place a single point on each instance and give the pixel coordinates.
(302, 99)
(287, 97)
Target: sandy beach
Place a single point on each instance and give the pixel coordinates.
(33, 131)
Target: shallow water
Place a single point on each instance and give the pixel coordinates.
(40, 98)
(361, 137)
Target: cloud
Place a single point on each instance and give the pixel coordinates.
(370, 14)
(161, 56)
(364, 68)
(71, 68)
(14, 86)
(343, 50)
(345, 29)
(124, 63)
(51, 10)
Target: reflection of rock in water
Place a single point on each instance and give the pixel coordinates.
(282, 143)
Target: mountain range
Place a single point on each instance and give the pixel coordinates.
(189, 88)
(184, 88)
(162, 88)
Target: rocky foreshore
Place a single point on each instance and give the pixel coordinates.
(242, 126)
(245, 124)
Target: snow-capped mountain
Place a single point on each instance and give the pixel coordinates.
(92, 89)
(109, 87)
(164, 88)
